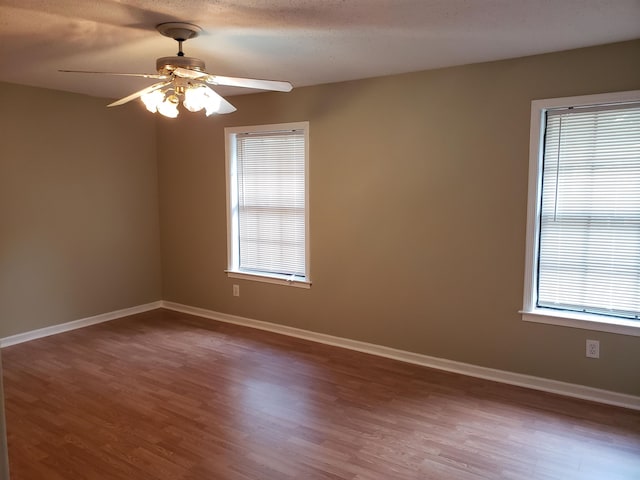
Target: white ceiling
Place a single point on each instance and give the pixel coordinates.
(306, 42)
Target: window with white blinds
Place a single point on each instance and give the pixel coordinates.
(589, 258)
(586, 257)
(268, 231)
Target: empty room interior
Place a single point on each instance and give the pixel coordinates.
(413, 253)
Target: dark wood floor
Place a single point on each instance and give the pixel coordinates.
(164, 395)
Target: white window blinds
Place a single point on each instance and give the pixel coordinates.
(589, 245)
(271, 202)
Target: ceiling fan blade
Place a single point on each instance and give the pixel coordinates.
(144, 75)
(225, 106)
(274, 85)
(190, 74)
(139, 93)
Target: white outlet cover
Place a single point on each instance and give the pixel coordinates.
(593, 349)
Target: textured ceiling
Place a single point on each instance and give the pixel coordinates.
(306, 42)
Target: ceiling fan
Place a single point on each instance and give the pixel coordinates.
(184, 78)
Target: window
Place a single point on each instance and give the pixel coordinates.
(268, 228)
(583, 233)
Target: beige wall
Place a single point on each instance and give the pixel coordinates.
(418, 190)
(79, 229)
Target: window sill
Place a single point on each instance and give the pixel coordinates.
(275, 279)
(583, 320)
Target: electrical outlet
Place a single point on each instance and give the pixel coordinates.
(593, 349)
(236, 290)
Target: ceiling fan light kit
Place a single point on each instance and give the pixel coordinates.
(183, 79)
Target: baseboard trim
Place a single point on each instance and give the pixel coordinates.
(73, 325)
(502, 376)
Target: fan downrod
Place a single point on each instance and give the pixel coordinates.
(180, 32)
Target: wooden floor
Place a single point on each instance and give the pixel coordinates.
(164, 395)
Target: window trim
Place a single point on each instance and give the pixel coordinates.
(233, 270)
(530, 312)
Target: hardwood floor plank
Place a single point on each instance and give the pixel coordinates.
(165, 395)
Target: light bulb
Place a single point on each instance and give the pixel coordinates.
(169, 108)
(151, 100)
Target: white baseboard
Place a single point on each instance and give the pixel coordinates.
(83, 322)
(502, 376)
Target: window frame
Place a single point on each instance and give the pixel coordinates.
(530, 312)
(233, 269)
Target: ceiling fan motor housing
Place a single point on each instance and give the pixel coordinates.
(166, 65)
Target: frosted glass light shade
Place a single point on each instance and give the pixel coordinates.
(212, 104)
(151, 100)
(194, 99)
(197, 98)
(169, 108)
